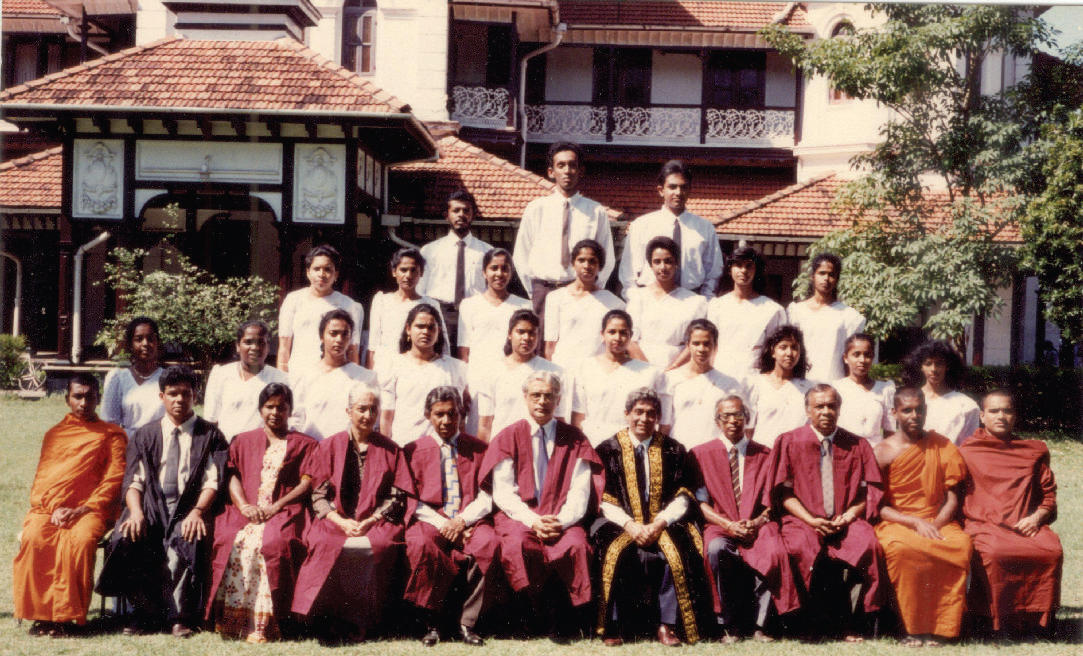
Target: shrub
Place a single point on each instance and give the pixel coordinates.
(11, 363)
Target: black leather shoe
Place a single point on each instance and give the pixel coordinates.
(431, 638)
(469, 637)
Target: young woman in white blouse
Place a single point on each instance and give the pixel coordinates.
(866, 403)
(130, 395)
(744, 316)
(389, 309)
(780, 387)
(825, 320)
(938, 369)
(573, 312)
(232, 398)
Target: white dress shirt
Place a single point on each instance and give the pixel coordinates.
(537, 243)
(233, 403)
(474, 511)
(701, 256)
(506, 486)
(442, 257)
(742, 449)
(184, 463)
(673, 512)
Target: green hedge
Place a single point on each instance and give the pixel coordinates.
(11, 364)
(1048, 397)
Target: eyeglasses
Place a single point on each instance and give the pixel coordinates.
(726, 416)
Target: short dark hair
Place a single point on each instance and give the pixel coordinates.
(733, 397)
(560, 147)
(257, 323)
(463, 196)
(422, 308)
(410, 252)
(84, 378)
(767, 355)
(908, 392)
(271, 390)
(178, 374)
(517, 316)
(912, 375)
(326, 250)
(129, 331)
(744, 254)
(856, 337)
(820, 388)
(494, 252)
(702, 324)
(666, 243)
(643, 395)
(331, 315)
(674, 167)
(440, 395)
(593, 245)
(817, 261)
(1001, 392)
(616, 314)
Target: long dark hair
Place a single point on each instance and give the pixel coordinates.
(816, 262)
(422, 308)
(767, 355)
(912, 375)
(745, 254)
(517, 316)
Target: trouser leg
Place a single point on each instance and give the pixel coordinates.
(476, 584)
(725, 561)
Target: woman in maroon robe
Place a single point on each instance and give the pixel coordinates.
(257, 540)
(361, 485)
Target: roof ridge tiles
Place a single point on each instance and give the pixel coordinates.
(369, 87)
(771, 198)
(26, 160)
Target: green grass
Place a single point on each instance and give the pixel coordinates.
(23, 423)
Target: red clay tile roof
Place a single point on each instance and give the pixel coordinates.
(501, 188)
(804, 210)
(29, 8)
(32, 182)
(183, 73)
(741, 16)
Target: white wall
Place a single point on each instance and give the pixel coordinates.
(569, 75)
(676, 79)
(411, 54)
(326, 36)
(152, 22)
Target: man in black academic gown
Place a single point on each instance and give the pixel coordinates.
(157, 555)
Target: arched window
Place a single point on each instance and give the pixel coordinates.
(359, 37)
(844, 28)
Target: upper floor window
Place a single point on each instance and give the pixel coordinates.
(735, 79)
(622, 76)
(359, 38)
(843, 29)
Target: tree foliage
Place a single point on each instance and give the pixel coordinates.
(940, 188)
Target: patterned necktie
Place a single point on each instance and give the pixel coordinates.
(827, 478)
(735, 476)
(541, 465)
(565, 233)
(172, 466)
(460, 273)
(452, 492)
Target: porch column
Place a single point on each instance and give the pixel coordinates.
(64, 273)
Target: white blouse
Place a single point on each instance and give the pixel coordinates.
(575, 324)
(407, 384)
(659, 324)
(483, 327)
(954, 415)
(743, 326)
(866, 412)
(299, 318)
(387, 318)
(692, 401)
(499, 394)
(600, 395)
(233, 403)
(826, 331)
(320, 398)
(778, 410)
(130, 404)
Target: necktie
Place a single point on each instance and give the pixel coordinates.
(677, 238)
(541, 465)
(735, 476)
(565, 232)
(827, 478)
(172, 466)
(452, 491)
(641, 475)
(460, 273)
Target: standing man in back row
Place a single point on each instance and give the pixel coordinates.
(700, 264)
(553, 224)
(453, 268)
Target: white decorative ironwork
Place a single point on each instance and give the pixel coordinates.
(669, 123)
(749, 125)
(580, 122)
(480, 106)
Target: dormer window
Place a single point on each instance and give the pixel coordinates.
(842, 30)
(359, 38)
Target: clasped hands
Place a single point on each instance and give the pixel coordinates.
(644, 535)
(547, 528)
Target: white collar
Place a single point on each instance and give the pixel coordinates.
(185, 427)
(821, 438)
(549, 429)
(741, 446)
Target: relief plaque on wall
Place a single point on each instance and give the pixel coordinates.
(98, 179)
(319, 183)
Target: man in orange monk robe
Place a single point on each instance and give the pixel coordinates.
(928, 554)
(1011, 498)
(73, 501)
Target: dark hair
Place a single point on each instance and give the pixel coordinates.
(463, 196)
(422, 308)
(271, 390)
(129, 331)
(178, 374)
(864, 337)
(84, 378)
(440, 395)
(494, 252)
(326, 250)
(744, 254)
(258, 323)
(733, 397)
(616, 314)
(674, 167)
(820, 388)
(816, 262)
(666, 243)
(908, 392)
(701, 324)
(1000, 391)
(643, 395)
(560, 147)
(516, 317)
(331, 315)
(593, 245)
(767, 355)
(413, 253)
(911, 371)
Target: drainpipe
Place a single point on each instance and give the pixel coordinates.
(66, 21)
(77, 297)
(16, 314)
(561, 29)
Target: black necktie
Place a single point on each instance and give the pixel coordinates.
(460, 273)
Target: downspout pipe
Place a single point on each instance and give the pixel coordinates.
(77, 297)
(561, 29)
(16, 314)
(66, 21)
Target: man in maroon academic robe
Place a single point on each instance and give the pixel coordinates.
(745, 553)
(827, 488)
(1010, 500)
(542, 526)
(450, 539)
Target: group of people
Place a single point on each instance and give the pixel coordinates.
(698, 464)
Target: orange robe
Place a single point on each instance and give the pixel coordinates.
(929, 576)
(81, 464)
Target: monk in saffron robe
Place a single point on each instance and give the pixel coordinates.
(546, 481)
(361, 484)
(451, 537)
(927, 552)
(1011, 498)
(827, 488)
(73, 501)
(745, 555)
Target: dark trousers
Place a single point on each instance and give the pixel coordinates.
(451, 321)
(539, 289)
(643, 594)
(744, 594)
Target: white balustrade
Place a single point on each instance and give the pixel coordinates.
(750, 126)
(480, 106)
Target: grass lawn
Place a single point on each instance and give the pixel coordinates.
(22, 425)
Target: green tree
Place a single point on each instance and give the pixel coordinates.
(911, 255)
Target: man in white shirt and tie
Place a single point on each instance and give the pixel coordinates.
(701, 256)
(552, 224)
(546, 481)
(453, 268)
